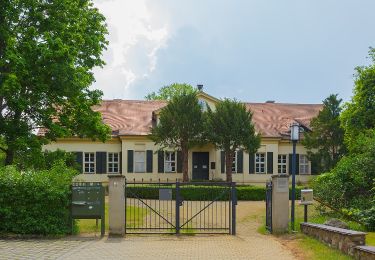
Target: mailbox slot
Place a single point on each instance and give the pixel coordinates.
(88, 201)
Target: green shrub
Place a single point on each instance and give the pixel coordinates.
(200, 192)
(36, 202)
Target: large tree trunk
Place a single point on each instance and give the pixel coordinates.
(228, 165)
(9, 157)
(185, 162)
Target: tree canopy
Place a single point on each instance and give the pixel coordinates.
(325, 143)
(47, 52)
(230, 128)
(170, 91)
(358, 116)
(180, 126)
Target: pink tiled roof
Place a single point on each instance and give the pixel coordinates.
(134, 117)
(129, 117)
(274, 119)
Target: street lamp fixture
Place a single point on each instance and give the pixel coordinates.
(294, 137)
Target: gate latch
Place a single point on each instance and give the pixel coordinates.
(180, 201)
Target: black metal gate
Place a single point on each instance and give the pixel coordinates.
(269, 206)
(180, 208)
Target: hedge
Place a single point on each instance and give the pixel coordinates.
(36, 202)
(199, 192)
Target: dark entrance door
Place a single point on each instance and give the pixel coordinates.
(200, 165)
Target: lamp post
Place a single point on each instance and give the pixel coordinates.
(294, 137)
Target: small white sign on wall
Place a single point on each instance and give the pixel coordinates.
(282, 185)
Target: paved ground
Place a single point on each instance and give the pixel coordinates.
(248, 244)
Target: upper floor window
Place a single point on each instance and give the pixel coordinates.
(260, 163)
(113, 162)
(303, 164)
(89, 163)
(170, 162)
(281, 166)
(139, 161)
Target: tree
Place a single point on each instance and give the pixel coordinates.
(230, 128)
(359, 114)
(180, 126)
(168, 92)
(327, 135)
(47, 52)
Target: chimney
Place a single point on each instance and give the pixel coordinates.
(200, 87)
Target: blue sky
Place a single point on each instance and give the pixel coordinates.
(296, 51)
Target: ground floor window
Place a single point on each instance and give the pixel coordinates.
(113, 162)
(89, 163)
(234, 163)
(303, 164)
(260, 163)
(281, 167)
(139, 161)
(170, 162)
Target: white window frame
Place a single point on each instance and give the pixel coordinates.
(282, 164)
(304, 164)
(168, 162)
(112, 163)
(136, 163)
(234, 163)
(259, 163)
(91, 163)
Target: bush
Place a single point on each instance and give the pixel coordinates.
(36, 202)
(250, 193)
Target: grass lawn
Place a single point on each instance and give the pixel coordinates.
(310, 248)
(315, 216)
(89, 225)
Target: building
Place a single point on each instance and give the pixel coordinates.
(130, 152)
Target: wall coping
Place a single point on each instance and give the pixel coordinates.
(342, 231)
(369, 249)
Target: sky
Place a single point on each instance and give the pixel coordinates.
(290, 51)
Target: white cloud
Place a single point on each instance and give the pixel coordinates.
(134, 41)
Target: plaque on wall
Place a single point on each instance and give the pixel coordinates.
(282, 185)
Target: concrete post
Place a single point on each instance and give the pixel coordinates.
(280, 203)
(116, 209)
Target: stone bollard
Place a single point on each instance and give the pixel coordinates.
(116, 208)
(280, 203)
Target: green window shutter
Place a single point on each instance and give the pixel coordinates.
(120, 160)
(314, 167)
(149, 155)
(297, 164)
(222, 160)
(290, 163)
(270, 162)
(79, 160)
(160, 161)
(179, 161)
(130, 160)
(101, 162)
(251, 163)
(240, 161)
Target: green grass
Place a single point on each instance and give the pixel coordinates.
(136, 218)
(370, 239)
(314, 248)
(318, 250)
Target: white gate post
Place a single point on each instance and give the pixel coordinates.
(280, 203)
(116, 208)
